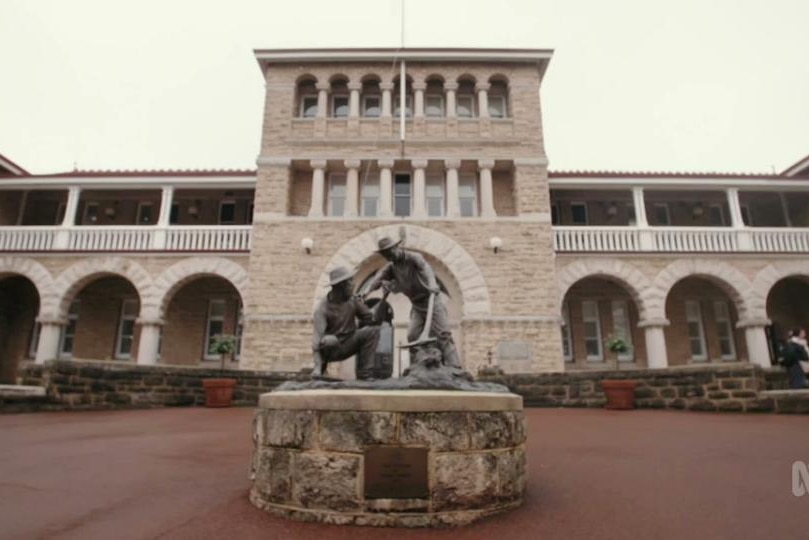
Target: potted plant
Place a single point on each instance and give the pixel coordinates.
(620, 393)
(219, 391)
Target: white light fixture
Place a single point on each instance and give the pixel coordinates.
(496, 243)
(307, 244)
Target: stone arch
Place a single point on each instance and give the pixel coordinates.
(36, 273)
(474, 291)
(729, 279)
(306, 77)
(499, 78)
(371, 77)
(633, 280)
(766, 279)
(74, 278)
(174, 277)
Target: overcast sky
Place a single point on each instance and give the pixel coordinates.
(686, 85)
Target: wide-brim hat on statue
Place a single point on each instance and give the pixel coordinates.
(340, 274)
(386, 242)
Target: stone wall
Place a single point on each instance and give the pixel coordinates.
(106, 385)
(732, 388)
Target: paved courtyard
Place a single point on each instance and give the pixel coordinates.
(182, 473)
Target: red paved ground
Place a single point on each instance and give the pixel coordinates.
(182, 473)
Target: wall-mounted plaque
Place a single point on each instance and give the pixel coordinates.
(394, 472)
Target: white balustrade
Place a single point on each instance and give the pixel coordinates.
(27, 238)
(673, 239)
(780, 240)
(110, 238)
(214, 238)
(596, 239)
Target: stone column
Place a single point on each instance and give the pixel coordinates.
(48, 345)
(387, 88)
(62, 238)
(758, 350)
(149, 342)
(352, 187)
(322, 99)
(354, 100)
(453, 203)
(450, 89)
(385, 187)
(646, 238)
(419, 189)
(656, 353)
(159, 238)
(784, 208)
(745, 241)
(483, 99)
(418, 89)
(318, 187)
(486, 191)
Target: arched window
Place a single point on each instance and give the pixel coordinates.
(307, 98)
(465, 98)
(434, 98)
(371, 98)
(339, 98)
(498, 98)
(408, 97)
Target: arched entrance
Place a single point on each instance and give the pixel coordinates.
(703, 318)
(19, 306)
(196, 310)
(788, 305)
(593, 309)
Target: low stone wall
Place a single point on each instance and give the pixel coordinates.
(107, 385)
(733, 388)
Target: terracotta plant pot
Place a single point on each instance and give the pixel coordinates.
(620, 394)
(218, 392)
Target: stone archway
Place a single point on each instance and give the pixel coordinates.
(174, 277)
(36, 273)
(725, 276)
(766, 279)
(461, 265)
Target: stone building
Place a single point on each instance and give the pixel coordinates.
(538, 268)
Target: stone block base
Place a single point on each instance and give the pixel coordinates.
(314, 451)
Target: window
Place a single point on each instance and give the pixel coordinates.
(401, 195)
(435, 195)
(497, 107)
(68, 336)
(126, 329)
(567, 342)
(408, 106)
(339, 106)
(554, 214)
(467, 195)
(371, 106)
(337, 194)
(90, 212)
(434, 106)
(716, 215)
(578, 212)
(227, 212)
(215, 326)
(622, 329)
(696, 331)
(661, 214)
(34, 343)
(465, 106)
(174, 214)
(144, 213)
(727, 348)
(308, 106)
(592, 331)
(370, 197)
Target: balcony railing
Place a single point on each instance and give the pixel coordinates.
(680, 239)
(145, 238)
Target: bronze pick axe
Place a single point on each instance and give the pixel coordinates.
(424, 338)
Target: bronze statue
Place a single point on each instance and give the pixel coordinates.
(407, 272)
(336, 335)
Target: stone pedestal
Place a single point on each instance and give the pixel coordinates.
(447, 458)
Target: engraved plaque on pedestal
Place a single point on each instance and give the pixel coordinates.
(393, 472)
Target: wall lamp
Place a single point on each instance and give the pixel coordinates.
(307, 244)
(495, 242)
